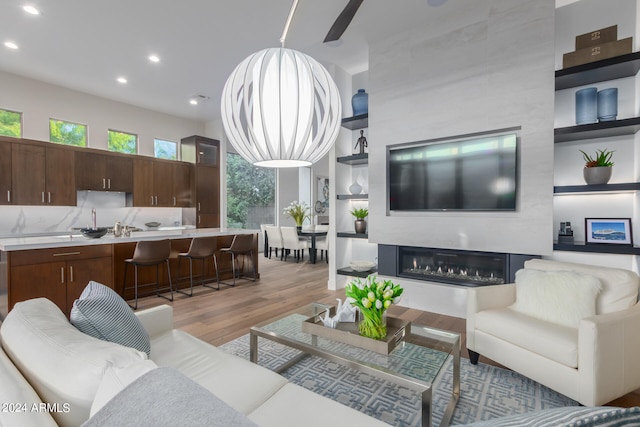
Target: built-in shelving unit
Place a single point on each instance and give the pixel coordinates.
(348, 271)
(602, 188)
(608, 69)
(353, 196)
(354, 159)
(352, 235)
(604, 248)
(597, 130)
(360, 121)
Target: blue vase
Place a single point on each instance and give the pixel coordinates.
(360, 102)
(608, 104)
(587, 106)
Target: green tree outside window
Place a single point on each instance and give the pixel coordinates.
(165, 149)
(251, 193)
(10, 123)
(68, 133)
(122, 142)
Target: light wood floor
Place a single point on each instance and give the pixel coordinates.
(221, 316)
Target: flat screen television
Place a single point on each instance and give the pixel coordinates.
(478, 173)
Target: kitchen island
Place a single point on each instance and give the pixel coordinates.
(59, 267)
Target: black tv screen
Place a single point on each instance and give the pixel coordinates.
(473, 174)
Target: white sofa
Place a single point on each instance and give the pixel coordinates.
(594, 363)
(77, 375)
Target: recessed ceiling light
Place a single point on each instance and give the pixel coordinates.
(154, 58)
(122, 80)
(11, 45)
(193, 101)
(31, 10)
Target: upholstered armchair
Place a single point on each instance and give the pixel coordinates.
(571, 327)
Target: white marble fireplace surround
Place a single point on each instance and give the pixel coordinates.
(110, 207)
(492, 68)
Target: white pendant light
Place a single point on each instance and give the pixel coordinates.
(281, 108)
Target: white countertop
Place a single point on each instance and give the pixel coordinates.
(44, 242)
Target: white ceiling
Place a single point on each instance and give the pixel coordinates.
(86, 44)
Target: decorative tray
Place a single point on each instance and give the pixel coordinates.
(347, 333)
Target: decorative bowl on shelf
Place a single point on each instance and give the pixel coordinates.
(362, 266)
(152, 224)
(94, 233)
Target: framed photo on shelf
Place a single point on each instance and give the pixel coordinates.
(613, 231)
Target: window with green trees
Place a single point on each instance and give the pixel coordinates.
(165, 149)
(10, 123)
(251, 194)
(122, 142)
(67, 133)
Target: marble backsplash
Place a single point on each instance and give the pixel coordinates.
(110, 207)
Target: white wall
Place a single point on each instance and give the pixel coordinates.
(40, 101)
(490, 69)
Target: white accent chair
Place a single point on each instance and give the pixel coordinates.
(275, 239)
(593, 364)
(291, 242)
(322, 243)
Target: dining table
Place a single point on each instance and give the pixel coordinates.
(312, 234)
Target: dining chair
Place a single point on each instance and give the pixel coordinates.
(149, 253)
(292, 242)
(201, 248)
(275, 239)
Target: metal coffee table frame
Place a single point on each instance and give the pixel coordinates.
(418, 335)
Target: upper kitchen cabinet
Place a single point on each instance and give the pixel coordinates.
(5, 174)
(42, 176)
(104, 172)
(205, 153)
(200, 150)
(161, 183)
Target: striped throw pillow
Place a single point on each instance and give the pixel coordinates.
(103, 314)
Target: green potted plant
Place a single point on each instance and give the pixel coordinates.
(360, 222)
(597, 169)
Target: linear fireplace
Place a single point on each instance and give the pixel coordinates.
(459, 267)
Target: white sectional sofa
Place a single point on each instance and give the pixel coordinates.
(48, 360)
(593, 362)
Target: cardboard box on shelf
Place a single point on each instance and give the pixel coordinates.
(597, 53)
(597, 37)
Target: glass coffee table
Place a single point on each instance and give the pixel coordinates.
(416, 361)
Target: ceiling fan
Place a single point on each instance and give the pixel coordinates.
(347, 14)
(343, 21)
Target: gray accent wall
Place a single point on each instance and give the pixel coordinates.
(490, 69)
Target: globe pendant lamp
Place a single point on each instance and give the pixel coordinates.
(281, 108)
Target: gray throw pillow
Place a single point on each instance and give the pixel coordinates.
(103, 314)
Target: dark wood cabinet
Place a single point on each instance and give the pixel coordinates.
(58, 274)
(42, 176)
(159, 183)
(204, 152)
(6, 195)
(104, 172)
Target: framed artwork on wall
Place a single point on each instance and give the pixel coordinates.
(614, 231)
(322, 195)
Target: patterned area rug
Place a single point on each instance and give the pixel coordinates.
(486, 392)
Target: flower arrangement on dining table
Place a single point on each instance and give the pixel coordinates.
(298, 211)
(373, 297)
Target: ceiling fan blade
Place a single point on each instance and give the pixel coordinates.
(343, 21)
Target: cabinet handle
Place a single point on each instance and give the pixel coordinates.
(71, 273)
(198, 219)
(9, 196)
(156, 197)
(67, 253)
(151, 200)
(198, 206)
(109, 183)
(174, 200)
(49, 196)
(104, 183)
(62, 275)
(43, 197)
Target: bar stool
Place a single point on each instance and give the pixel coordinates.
(242, 244)
(200, 248)
(147, 254)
